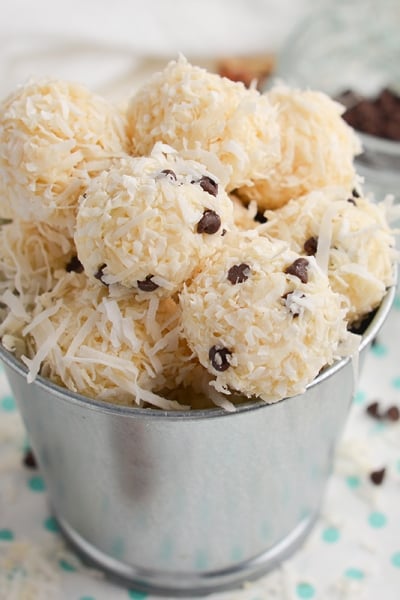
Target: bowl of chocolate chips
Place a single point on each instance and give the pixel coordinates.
(377, 119)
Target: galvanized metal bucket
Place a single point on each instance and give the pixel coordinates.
(187, 502)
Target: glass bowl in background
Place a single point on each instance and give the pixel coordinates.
(351, 46)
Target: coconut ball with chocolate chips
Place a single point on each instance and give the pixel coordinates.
(350, 238)
(148, 222)
(262, 319)
(102, 343)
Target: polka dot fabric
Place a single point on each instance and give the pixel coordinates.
(353, 553)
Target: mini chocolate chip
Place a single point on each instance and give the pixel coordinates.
(147, 284)
(169, 173)
(29, 459)
(209, 185)
(355, 193)
(378, 476)
(352, 201)
(310, 246)
(74, 265)
(299, 269)
(210, 222)
(223, 232)
(84, 195)
(292, 307)
(373, 410)
(392, 413)
(218, 356)
(260, 218)
(238, 273)
(100, 274)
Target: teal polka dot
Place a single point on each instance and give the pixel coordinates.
(137, 595)
(355, 574)
(359, 397)
(377, 519)
(6, 535)
(396, 383)
(51, 525)
(396, 302)
(8, 404)
(395, 560)
(66, 566)
(305, 590)
(379, 350)
(398, 465)
(36, 484)
(379, 427)
(87, 598)
(331, 535)
(236, 553)
(353, 481)
(201, 561)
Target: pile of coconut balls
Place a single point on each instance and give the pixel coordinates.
(205, 245)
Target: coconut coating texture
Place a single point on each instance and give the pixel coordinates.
(317, 145)
(31, 254)
(147, 222)
(54, 135)
(108, 346)
(351, 239)
(261, 319)
(189, 108)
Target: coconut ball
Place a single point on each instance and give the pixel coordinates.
(105, 346)
(54, 135)
(351, 239)
(191, 109)
(31, 254)
(147, 222)
(317, 146)
(262, 319)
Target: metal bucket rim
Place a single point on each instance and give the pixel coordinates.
(66, 395)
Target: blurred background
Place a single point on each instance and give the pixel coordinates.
(111, 45)
(349, 49)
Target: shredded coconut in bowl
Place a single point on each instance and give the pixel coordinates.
(54, 135)
(318, 148)
(351, 239)
(191, 109)
(261, 319)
